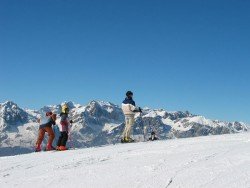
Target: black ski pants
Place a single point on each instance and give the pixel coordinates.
(63, 139)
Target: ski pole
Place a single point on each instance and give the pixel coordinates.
(71, 145)
(144, 128)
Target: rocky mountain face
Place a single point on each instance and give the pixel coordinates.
(99, 123)
(11, 116)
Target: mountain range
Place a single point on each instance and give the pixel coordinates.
(101, 123)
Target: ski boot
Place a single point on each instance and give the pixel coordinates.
(122, 140)
(62, 148)
(50, 147)
(38, 148)
(127, 140)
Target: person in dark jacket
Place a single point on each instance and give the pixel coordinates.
(64, 128)
(46, 127)
(129, 109)
(153, 136)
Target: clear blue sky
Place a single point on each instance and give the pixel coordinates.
(177, 55)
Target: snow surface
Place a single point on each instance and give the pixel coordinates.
(212, 161)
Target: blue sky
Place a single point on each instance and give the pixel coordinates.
(177, 55)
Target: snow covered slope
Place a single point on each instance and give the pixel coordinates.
(207, 162)
(100, 123)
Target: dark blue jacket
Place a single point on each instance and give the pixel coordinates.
(48, 124)
(129, 101)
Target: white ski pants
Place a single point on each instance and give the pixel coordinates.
(129, 122)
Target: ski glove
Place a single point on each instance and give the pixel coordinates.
(138, 110)
(71, 121)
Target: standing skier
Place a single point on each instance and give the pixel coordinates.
(64, 128)
(46, 126)
(129, 109)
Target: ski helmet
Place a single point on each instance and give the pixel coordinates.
(129, 93)
(65, 109)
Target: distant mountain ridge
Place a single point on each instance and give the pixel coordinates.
(99, 123)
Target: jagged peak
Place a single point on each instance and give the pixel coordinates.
(8, 103)
(70, 104)
(101, 103)
(10, 106)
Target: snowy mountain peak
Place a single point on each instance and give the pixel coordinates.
(102, 104)
(70, 104)
(202, 120)
(8, 106)
(57, 108)
(11, 116)
(99, 108)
